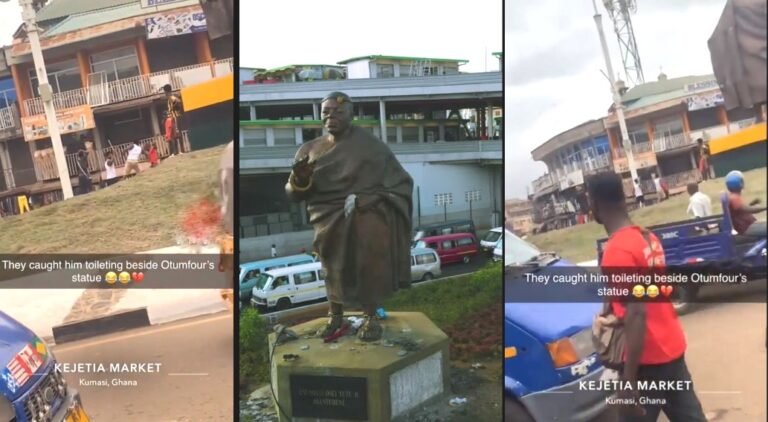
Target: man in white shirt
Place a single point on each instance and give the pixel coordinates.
(699, 204)
(132, 161)
(639, 194)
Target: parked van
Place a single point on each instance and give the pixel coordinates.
(285, 287)
(446, 227)
(249, 272)
(425, 264)
(459, 247)
(498, 251)
(488, 243)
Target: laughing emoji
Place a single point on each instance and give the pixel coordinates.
(111, 277)
(125, 278)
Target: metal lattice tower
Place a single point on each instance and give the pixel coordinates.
(620, 11)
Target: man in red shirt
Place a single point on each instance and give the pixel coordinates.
(655, 342)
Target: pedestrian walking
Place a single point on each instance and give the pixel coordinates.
(699, 204)
(653, 341)
(274, 251)
(639, 198)
(703, 159)
(132, 161)
(85, 185)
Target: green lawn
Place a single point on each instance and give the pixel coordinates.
(139, 214)
(578, 243)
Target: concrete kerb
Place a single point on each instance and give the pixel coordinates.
(123, 319)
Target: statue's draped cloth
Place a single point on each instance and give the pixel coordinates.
(366, 257)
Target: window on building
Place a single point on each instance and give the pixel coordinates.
(430, 70)
(254, 137)
(245, 113)
(704, 118)
(120, 63)
(667, 128)
(285, 136)
(62, 76)
(739, 114)
(410, 134)
(638, 135)
(385, 71)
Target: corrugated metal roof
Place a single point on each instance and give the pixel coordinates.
(661, 87)
(58, 9)
(101, 16)
(384, 57)
(657, 99)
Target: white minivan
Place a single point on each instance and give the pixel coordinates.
(285, 287)
(425, 264)
(488, 243)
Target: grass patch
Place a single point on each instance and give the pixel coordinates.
(446, 302)
(135, 215)
(254, 349)
(579, 243)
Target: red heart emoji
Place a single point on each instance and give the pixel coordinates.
(667, 290)
(139, 277)
(134, 276)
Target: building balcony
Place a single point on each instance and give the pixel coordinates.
(673, 142)
(102, 92)
(543, 185)
(549, 211)
(256, 159)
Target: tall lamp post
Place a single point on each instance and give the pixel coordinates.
(616, 96)
(46, 94)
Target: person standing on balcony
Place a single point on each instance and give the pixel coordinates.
(173, 108)
(703, 158)
(639, 198)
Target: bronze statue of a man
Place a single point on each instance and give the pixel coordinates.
(360, 201)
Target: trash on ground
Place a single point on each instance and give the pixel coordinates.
(457, 401)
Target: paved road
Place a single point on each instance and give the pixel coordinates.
(727, 356)
(195, 382)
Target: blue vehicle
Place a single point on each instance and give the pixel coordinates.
(548, 349)
(706, 243)
(250, 271)
(31, 388)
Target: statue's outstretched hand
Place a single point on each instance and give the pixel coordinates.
(349, 205)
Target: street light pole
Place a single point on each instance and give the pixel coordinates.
(616, 96)
(46, 95)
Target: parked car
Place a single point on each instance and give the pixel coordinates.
(548, 347)
(32, 389)
(488, 243)
(446, 227)
(283, 288)
(425, 264)
(459, 247)
(250, 271)
(498, 250)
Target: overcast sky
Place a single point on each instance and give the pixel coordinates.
(10, 20)
(312, 32)
(553, 62)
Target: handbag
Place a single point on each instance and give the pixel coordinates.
(608, 332)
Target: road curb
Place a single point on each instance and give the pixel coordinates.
(108, 324)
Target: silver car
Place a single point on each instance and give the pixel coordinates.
(425, 264)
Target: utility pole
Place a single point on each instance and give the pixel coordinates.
(46, 95)
(616, 96)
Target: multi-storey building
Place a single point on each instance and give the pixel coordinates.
(425, 119)
(107, 62)
(518, 216)
(665, 118)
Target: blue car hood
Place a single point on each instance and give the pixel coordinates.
(548, 322)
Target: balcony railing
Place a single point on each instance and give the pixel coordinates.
(101, 92)
(45, 163)
(549, 210)
(9, 118)
(543, 183)
(642, 148)
(679, 140)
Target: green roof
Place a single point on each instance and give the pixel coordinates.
(293, 66)
(380, 57)
(661, 87)
(104, 15)
(58, 9)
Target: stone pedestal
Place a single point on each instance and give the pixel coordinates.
(351, 380)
